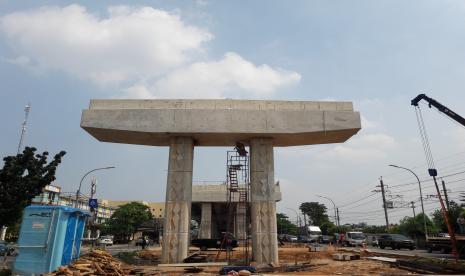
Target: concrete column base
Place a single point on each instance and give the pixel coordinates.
(178, 200)
(264, 233)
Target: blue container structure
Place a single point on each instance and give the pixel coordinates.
(50, 236)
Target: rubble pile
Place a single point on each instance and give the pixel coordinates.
(148, 255)
(97, 262)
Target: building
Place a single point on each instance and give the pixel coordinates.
(209, 209)
(52, 195)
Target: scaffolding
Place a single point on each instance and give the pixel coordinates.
(238, 196)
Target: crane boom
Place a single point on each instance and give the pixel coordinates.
(432, 102)
(429, 157)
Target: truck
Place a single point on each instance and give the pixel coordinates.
(314, 233)
(444, 245)
(226, 241)
(354, 239)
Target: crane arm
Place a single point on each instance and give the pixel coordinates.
(432, 102)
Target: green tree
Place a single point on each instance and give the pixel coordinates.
(327, 228)
(315, 211)
(341, 229)
(284, 225)
(126, 219)
(414, 226)
(454, 212)
(21, 179)
(374, 229)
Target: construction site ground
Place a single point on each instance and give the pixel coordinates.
(295, 259)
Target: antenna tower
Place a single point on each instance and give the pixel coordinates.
(23, 127)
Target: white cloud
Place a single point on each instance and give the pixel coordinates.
(138, 92)
(225, 77)
(364, 148)
(146, 52)
(367, 124)
(230, 77)
(456, 137)
(129, 44)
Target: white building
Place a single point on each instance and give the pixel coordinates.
(52, 195)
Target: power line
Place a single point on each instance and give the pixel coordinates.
(426, 180)
(356, 201)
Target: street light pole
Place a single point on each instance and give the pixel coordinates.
(78, 192)
(421, 196)
(298, 218)
(335, 209)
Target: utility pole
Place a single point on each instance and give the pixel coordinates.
(338, 218)
(93, 210)
(413, 207)
(27, 108)
(384, 202)
(446, 198)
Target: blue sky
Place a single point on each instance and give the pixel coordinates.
(379, 54)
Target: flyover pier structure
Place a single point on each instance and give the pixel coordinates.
(183, 124)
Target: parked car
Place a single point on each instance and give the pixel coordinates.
(304, 239)
(139, 241)
(105, 240)
(395, 241)
(325, 239)
(443, 235)
(372, 239)
(354, 239)
(290, 238)
(6, 249)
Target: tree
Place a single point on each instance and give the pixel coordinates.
(126, 219)
(414, 226)
(327, 228)
(284, 225)
(454, 212)
(23, 177)
(374, 229)
(315, 211)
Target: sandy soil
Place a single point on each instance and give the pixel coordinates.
(320, 263)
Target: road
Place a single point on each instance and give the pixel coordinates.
(407, 252)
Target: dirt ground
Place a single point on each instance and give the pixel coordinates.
(316, 263)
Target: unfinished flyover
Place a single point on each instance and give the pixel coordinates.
(183, 124)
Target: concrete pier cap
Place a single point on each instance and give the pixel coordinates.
(220, 122)
(183, 124)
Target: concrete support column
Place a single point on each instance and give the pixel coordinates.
(241, 224)
(178, 200)
(3, 233)
(263, 211)
(206, 221)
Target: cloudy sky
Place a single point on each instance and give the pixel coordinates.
(379, 54)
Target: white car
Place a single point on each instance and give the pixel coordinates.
(105, 241)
